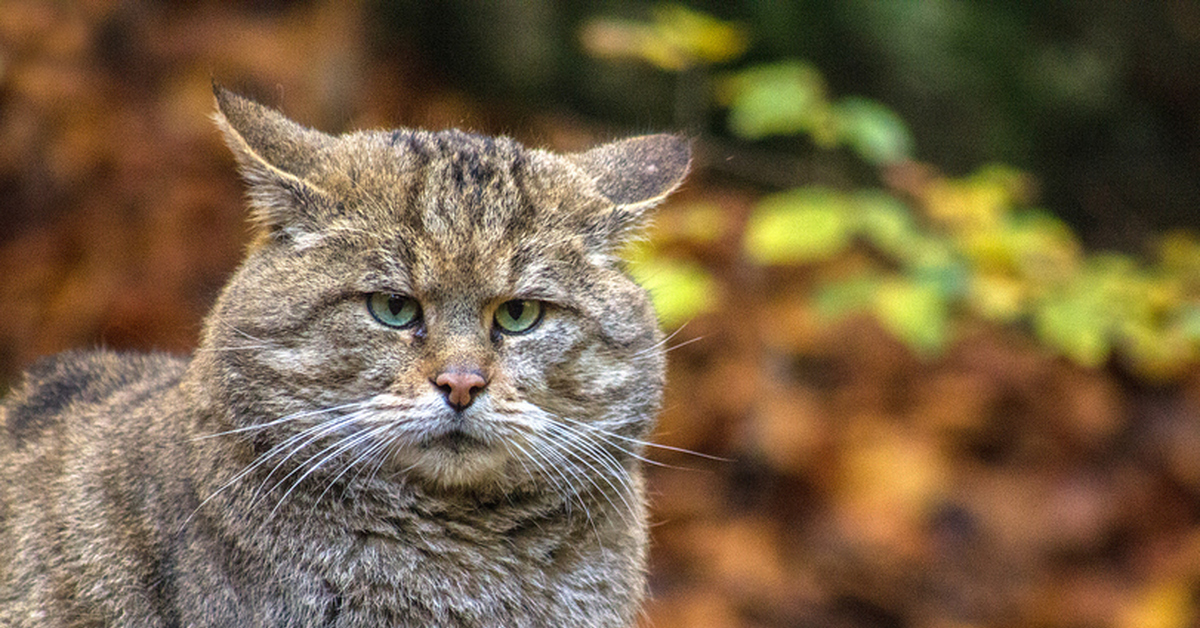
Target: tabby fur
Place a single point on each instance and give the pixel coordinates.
(307, 465)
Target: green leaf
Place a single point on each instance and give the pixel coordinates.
(681, 289)
(777, 99)
(888, 223)
(677, 39)
(1079, 318)
(873, 131)
(840, 298)
(700, 36)
(797, 226)
(916, 312)
(1189, 322)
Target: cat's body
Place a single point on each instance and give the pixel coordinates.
(419, 402)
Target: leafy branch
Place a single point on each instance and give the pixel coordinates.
(942, 251)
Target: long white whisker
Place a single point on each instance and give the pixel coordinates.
(236, 330)
(606, 438)
(684, 343)
(377, 452)
(560, 465)
(368, 453)
(287, 419)
(231, 348)
(308, 436)
(337, 450)
(666, 340)
(639, 442)
(250, 468)
(600, 462)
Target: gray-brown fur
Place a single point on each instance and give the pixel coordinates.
(304, 467)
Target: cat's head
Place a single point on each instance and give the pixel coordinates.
(443, 306)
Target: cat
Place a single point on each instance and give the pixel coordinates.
(421, 400)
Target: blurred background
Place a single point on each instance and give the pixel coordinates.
(934, 283)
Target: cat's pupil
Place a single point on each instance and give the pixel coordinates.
(396, 304)
(515, 309)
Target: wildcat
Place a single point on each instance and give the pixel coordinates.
(420, 401)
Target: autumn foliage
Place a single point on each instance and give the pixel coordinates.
(916, 399)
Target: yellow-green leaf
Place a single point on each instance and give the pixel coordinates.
(873, 131)
(681, 289)
(1076, 323)
(677, 38)
(800, 225)
(837, 299)
(915, 312)
(700, 36)
(887, 223)
(776, 99)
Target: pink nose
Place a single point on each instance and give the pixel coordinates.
(460, 387)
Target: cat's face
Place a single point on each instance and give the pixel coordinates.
(441, 306)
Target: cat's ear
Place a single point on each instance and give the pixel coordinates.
(276, 157)
(635, 174)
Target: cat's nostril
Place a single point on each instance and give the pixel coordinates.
(460, 387)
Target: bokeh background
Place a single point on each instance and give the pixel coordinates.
(933, 285)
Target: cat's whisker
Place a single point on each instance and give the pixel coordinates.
(327, 454)
(558, 485)
(233, 348)
(565, 472)
(521, 455)
(312, 434)
(256, 464)
(599, 461)
(392, 443)
(662, 343)
(380, 453)
(641, 443)
(559, 482)
(342, 229)
(286, 419)
(593, 467)
(250, 468)
(371, 435)
(684, 343)
(610, 438)
(309, 436)
(589, 453)
(235, 329)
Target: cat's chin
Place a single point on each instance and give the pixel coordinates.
(453, 460)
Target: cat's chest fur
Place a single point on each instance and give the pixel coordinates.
(427, 570)
(420, 401)
(422, 560)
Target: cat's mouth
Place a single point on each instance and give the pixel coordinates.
(455, 456)
(454, 440)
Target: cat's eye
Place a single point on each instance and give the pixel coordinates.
(394, 310)
(518, 316)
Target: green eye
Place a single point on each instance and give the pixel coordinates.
(394, 310)
(518, 316)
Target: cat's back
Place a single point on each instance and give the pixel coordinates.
(81, 438)
(71, 388)
(69, 405)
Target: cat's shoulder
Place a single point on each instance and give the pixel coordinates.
(55, 386)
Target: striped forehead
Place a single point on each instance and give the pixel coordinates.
(464, 190)
(464, 209)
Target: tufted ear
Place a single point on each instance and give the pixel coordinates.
(277, 157)
(635, 174)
